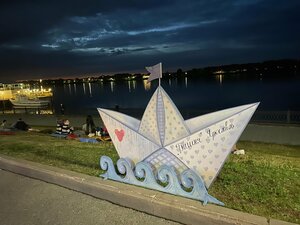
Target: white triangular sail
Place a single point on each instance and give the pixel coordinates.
(149, 123)
(128, 142)
(162, 122)
(206, 150)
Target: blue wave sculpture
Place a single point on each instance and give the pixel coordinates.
(143, 175)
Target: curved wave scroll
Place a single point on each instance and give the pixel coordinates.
(188, 184)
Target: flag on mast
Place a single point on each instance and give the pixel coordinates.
(155, 72)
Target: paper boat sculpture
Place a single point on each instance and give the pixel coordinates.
(163, 137)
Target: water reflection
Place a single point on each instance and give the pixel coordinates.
(83, 85)
(101, 84)
(219, 78)
(185, 81)
(70, 89)
(147, 85)
(189, 93)
(131, 85)
(90, 90)
(75, 89)
(112, 84)
(134, 84)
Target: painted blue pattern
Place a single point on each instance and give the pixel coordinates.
(143, 175)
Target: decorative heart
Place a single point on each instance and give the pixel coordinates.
(197, 151)
(210, 151)
(206, 168)
(204, 156)
(120, 134)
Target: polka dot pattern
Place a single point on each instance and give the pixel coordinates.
(206, 150)
(174, 123)
(148, 126)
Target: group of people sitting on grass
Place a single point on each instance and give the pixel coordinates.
(18, 125)
(90, 129)
(63, 128)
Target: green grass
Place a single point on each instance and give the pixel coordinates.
(68, 154)
(265, 181)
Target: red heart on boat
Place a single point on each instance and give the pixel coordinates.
(120, 134)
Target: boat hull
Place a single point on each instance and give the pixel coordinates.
(29, 104)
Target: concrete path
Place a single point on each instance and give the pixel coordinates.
(159, 204)
(272, 134)
(29, 201)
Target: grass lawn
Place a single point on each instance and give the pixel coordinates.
(265, 181)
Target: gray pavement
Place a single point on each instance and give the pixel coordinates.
(29, 201)
(155, 203)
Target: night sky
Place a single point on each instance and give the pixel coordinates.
(52, 39)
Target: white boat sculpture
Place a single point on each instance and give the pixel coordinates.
(22, 101)
(163, 137)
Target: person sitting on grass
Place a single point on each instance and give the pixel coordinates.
(89, 126)
(3, 125)
(59, 124)
(20, 125)
(63, 127)
(66, 129)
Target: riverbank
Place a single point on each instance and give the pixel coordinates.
(268, 133)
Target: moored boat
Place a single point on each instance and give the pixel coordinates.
(22, 101)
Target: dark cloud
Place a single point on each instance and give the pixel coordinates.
(50, 38)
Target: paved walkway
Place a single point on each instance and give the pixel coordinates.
(32, 199)
(29, 201)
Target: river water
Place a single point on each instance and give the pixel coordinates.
(189, 95)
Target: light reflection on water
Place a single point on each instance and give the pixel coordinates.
(112, 86)
(90, 90)
(83, 84)
(207, 94)
(75, 89)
